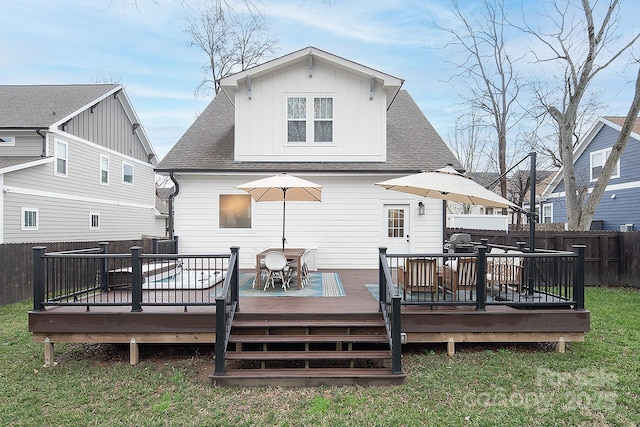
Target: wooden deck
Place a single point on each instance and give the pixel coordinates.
(196, 324)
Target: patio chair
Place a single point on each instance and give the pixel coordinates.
(262, 269)
(304, 268)
(278, 269)
(460, 275)
(504, 272)
(420, 275)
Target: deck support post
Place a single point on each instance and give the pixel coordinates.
(136, 286)
(451, 347)
(49, 354)
(560, 345)
(134, 352)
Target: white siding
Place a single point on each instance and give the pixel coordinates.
(346, 228)
(359, 123)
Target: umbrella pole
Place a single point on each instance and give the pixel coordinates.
(284, 209)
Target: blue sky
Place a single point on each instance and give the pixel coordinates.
(142, 44)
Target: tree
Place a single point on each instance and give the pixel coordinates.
(582, 51)
(488, 72)
(232, 41)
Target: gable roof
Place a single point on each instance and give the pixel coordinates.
(614, 122)
(413, 145)
(41, 106)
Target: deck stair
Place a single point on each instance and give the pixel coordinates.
(308, 350)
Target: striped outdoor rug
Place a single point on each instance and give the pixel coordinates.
(319, 285)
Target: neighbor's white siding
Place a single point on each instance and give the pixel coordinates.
(359, 123)
(346, 228)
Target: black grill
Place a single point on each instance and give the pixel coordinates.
(458, 243)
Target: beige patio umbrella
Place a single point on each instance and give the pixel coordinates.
(282, 187)
(447, 184)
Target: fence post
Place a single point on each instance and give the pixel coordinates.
(104, 267)
(136, 285)
(175, 244)
(481, 278)
(235, 274)
(578, 286)
(38, 278)
(382, 284)
(154, 245)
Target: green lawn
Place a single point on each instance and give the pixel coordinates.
(593, 383)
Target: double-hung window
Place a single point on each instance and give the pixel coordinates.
(597, 160)
(309, 119)
(547, 213)
(29, 219)
(127, 173)
(62, 156)
(104, 169)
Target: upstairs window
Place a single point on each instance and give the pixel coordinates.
(104, 169)
(300, 129)
(127, 173)
(547, 213)
(597, 161)
(7, 141)
(62, 153)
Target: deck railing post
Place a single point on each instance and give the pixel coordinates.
(104, 267)
(578, 286)
(136, 273)
(481, 278)
(235, 274)
(221, 335)
(175, 244)
(38, 278)
(396, 332)
(382, 280)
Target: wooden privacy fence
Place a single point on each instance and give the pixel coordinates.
(611, 257)
(16, 263)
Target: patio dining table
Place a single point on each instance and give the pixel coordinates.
(292, 254)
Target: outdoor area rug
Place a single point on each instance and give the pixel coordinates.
(319, 285)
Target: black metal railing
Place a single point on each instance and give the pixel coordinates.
(390, 307)
(95, 277)
(490, 276)
(227, 303)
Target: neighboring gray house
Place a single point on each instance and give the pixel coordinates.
(75, 165)
(323, 118)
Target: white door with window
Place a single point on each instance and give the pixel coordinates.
(396, 228)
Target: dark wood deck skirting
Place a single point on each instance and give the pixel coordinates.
(171, 324)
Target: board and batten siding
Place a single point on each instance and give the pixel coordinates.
(359, 123)
(346, 228)
(109, 125)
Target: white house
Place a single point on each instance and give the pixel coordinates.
(323, 118)
(75, 165)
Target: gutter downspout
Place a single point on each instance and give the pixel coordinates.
(171, 196)
(44, 142)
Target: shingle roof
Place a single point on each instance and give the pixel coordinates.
(208, 145)
(40, 106)
(620, 122)
(8, 161)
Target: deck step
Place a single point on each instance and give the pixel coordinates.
(310, 377)
(308, 355)
(278, 323)
(285, 338)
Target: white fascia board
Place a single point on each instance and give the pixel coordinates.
(27, 165)
(275, 64)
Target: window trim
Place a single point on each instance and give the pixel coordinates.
(124, 181)
(9, 141)
(310, 118)
(57, 157)
(23, 225)
(103, 157)
(606, 152)
(91, 215)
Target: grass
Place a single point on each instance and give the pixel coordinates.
(593, 383)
